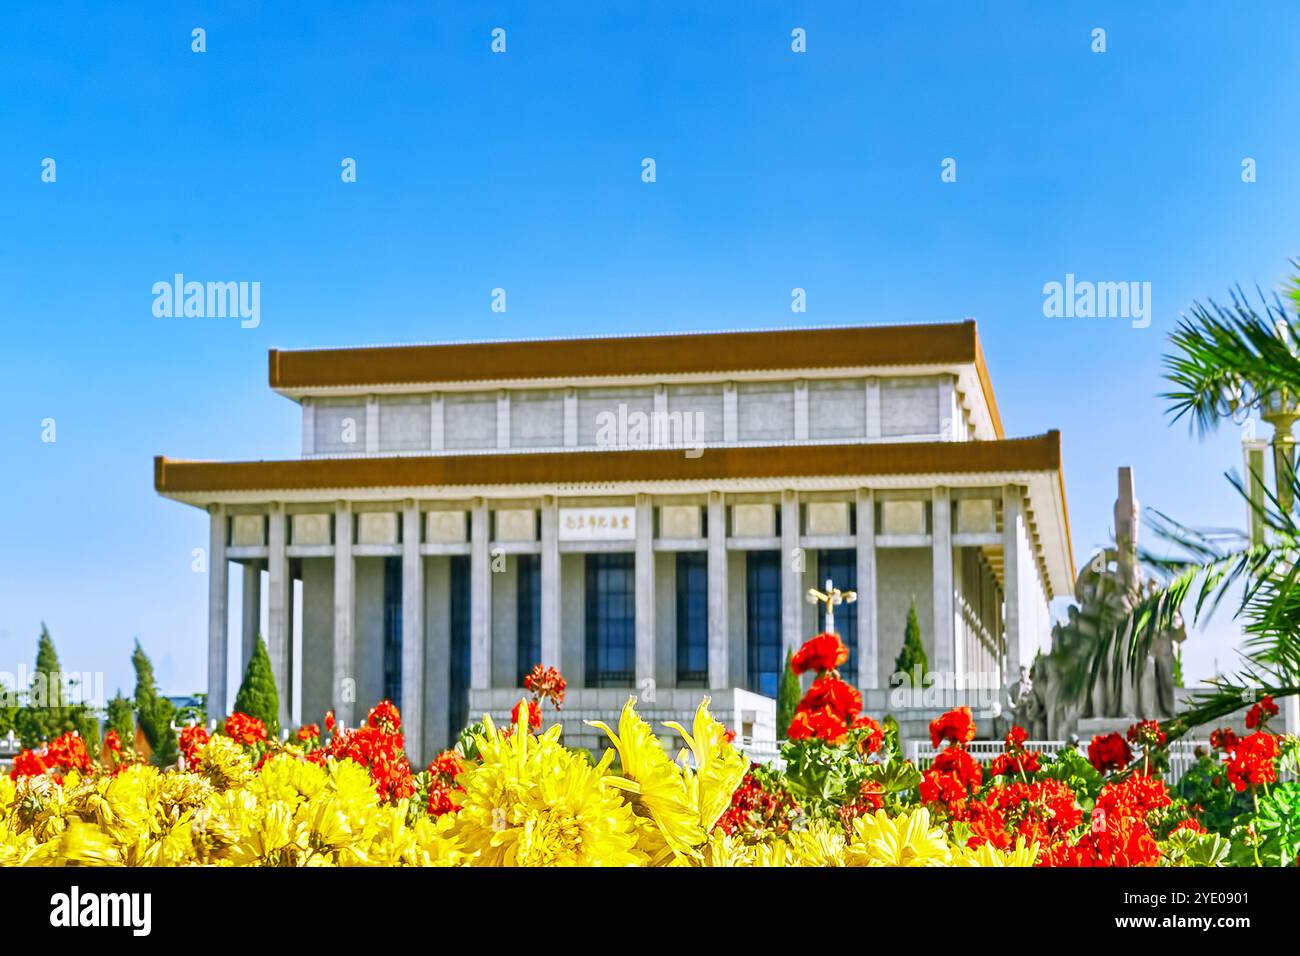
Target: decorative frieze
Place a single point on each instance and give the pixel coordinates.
(753, 520)
(310, 529)
(377, 527)
(445, 527)
(680, 521)
(827, 518)
(976, 515)
(902, 517)
(516, 524)
(248, 531)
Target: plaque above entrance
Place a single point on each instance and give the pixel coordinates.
(597, 524)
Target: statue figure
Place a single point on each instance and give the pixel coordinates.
(1107, 590)
(1026, 709)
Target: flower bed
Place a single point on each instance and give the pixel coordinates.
(516, 796)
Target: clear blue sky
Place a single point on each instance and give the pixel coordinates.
(522, 171)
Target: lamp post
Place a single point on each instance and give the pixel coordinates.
(1281, 410)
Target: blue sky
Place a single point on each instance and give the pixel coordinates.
(522, 171)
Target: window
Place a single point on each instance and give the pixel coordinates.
(611, 620)
(528, 615)
(841, 567)
(763, 620)
(393, 630)
(458, 691)
(692, 619)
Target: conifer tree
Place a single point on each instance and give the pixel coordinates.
(912, 655)
(44, 714)
(154, 711)
(257, 695)
(121, 717)
(788, 694)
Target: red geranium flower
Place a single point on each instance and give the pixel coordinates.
(957, 726)
(329, 721)
(1147, 734)
(244, 729)
(385, 716)
(193, 739)
(1109, 752)
(830, 691)
(308, 732)
(1254, 761)
(1224, 739)
(825, 652)
(824, 724)
(547, 683)
(534, 715)
(1258, 715)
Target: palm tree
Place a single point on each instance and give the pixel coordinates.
(1228, 360)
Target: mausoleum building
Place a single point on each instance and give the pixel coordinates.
(645, 513)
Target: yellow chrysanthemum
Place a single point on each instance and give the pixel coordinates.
(987, 855)
(656, 789)
(719, 767)
(531, 802)
(904, 840)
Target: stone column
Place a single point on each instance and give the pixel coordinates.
(719, 630)
(344, 691)
(866, 607)
(1013, 525)
(645, 592)
(412, 632)
(279, 613)
(941, 547)
(792, 585)
(252, 611)
(550, 583)
(218, 596)
(480, 573)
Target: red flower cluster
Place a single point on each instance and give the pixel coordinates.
(1109, 752)
(956, 726)
(1043, 812)
(113, 742)
(378, 748)
(385, 716)
(756, 811)
(60, 756)
(444, 770)
(1015, 759)
(1258, 715)
(822, 653)
(1253, 761)
(193, 739)
(308, 732)
(534, 716)
(329, 722)
(244, 729)
(546, 683)
(1120, 834)
(1224, 739)
(870, 798)
(829, 710)
(1146, 734)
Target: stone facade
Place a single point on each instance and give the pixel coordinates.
(442, 537)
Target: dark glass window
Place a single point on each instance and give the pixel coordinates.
(692, 619)
(528, 614)
(611, 620)
(763, 620)
(458, 691)
(393, 630)
(841, 567)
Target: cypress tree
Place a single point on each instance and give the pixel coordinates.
(788, 694)
(121, 717)
(257, 695)
(154, 711)
(44, 715)
(912, 654)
